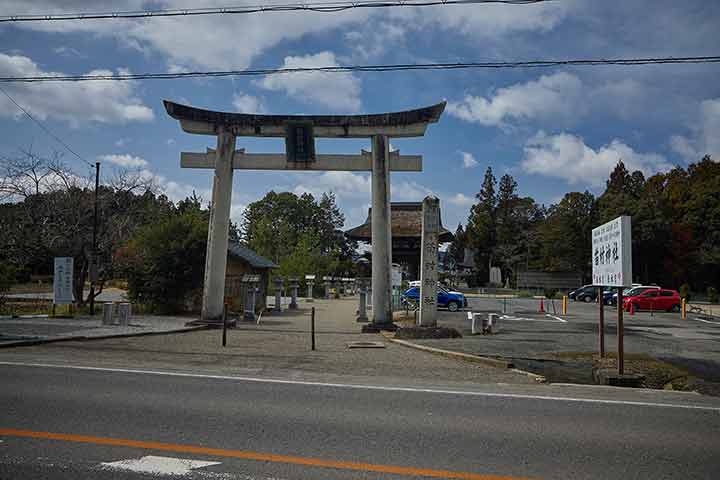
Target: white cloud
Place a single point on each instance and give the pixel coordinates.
(245, 103)
(468, 160)
(374, 39)
(461, 200)
(235, 41)
(555, 96)
(345, 185)
(75, 103)
(566, 156)
(125, 160)
(705, 138)
(337, 91)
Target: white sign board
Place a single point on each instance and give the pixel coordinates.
(428, 262)
(63, 281)
(612, 253)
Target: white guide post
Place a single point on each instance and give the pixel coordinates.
(428, 262)
(217, 245)
(381, 234)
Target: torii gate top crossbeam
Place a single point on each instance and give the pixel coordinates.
(409, 123)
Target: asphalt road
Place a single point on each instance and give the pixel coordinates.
(284, 429)
(692, 344)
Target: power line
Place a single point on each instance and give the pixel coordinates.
(322, 7)
(45, 129)
(364, 68)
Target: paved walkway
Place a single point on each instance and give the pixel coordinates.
(278, 347)
(23, 330)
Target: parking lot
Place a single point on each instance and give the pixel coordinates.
(552, 344)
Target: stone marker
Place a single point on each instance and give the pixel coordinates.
(362, 306)
(293, 293)
(328, 282)
(310, 279)
(278, 294)
(108, 313)
(124, 313)
(428, 262)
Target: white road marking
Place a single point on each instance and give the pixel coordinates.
(528, 319)
(158, 465)
(556, 318)
(520, 396)
(706, 321)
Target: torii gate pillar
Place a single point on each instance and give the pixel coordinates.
(381, 233)
(216, 257)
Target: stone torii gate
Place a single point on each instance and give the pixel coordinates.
(299, 132)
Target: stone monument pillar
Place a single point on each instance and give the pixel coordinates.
(428, 262)
(362, 306)
(278, 294)
(293, 293)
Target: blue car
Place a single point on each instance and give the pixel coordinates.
(453, 301)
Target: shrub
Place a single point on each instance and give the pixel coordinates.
(712, 294)
(164, 262)
(550, 292)
(685, 292)
(524, 294)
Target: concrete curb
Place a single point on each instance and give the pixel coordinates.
(493, 362)
(83, 338)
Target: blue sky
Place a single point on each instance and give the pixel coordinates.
(555, 130)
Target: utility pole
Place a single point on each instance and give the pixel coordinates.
(93, 261)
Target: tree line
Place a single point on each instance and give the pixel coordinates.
(154, 245)
(675, 227)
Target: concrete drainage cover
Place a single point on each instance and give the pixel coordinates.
(366, 345)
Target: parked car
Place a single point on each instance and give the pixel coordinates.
(587, 293)
(451, 300)
(633, 290)
(573, 293)
(658, 299)
(607, 297)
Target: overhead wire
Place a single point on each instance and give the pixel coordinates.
(321, 7)
(362, 68)
(45, 128)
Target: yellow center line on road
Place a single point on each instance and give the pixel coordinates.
(246, 455)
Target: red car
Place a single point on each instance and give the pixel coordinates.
(654, 299)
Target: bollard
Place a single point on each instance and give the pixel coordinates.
(683, 311)
(631, 309)
(565, 304)
(108, 313)
(124, 314)
(542, 306)
(473, 326)
(312, 328)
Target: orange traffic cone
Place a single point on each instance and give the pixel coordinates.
(542, 306)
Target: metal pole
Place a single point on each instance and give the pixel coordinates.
(620, 347)
(312, 327)
(224, 335)
(93, 266)
(601, 326)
